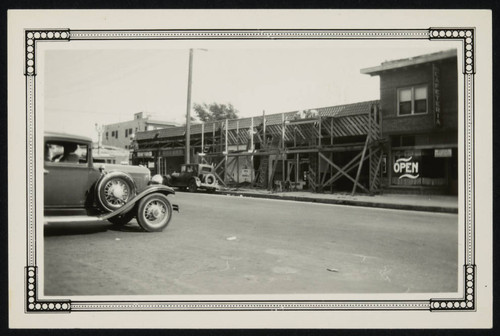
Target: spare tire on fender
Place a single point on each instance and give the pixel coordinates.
(114, 189)
(210, 179)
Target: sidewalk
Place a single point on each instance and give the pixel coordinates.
(434, 203)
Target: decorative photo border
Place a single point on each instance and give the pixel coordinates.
(466, 302)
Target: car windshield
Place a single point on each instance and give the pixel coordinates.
(206, 169)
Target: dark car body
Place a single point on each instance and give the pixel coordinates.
(75, 185)
(194, 176)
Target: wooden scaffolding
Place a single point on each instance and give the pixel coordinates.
(273, 146)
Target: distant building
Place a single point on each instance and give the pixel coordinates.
(120, 134)
(419, 106)
(110, 154)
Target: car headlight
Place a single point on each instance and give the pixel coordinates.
(157, 179)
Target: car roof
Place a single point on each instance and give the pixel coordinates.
(67, 137)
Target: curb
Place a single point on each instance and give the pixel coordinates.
(412, 207)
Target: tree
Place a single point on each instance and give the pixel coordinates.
(214, 111)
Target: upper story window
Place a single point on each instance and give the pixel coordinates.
(412, 100)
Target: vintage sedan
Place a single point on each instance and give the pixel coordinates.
(193, 176)
(76, 186)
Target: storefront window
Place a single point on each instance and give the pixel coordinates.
(420, 167)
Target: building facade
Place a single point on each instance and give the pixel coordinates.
(404, 142)
(120, 134)
(419, 111)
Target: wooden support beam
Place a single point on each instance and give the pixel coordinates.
(237, 170)
(263, 141)
(220, 163)
(216, 174)
(237, 135)
(324, 176)
(297, 163)
(225, 140)
(230, 166)
(283, 128)
(271, 176)
(360, 165)
(319, 131)
(343, 172)
(331, 131)
(377, 168)
(348, 167)
(251, 135)
(203, 138)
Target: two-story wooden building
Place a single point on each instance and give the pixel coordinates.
(419, 112)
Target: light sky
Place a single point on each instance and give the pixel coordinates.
(83, 87)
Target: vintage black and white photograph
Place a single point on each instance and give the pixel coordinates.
(249, 170)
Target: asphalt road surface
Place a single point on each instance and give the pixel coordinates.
(234, 245)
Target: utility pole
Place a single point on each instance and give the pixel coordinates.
(188, 110)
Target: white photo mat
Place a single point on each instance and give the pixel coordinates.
(30, 33)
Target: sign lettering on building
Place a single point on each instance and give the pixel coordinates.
(437, 92)
(144, 154)
(406, 168)
(442, 152)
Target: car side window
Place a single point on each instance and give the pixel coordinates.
(66, 152)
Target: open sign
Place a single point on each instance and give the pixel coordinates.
(406, 168)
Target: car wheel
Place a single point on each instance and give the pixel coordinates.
(114, 190)
(121, 220)
(192, 186)
(154, 212)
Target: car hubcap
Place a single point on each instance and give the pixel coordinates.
(116, 192)
(155, 211)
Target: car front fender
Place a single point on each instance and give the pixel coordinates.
(155, 188)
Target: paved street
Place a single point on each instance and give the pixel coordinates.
(234, 245)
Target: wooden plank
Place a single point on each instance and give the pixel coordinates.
(271, 176)
(203, 137)
(324, 173)
(360, 165)
(375, 174)
(220, 163)
(344, 127)
(237, 135)
(341, 128)
(355, 125)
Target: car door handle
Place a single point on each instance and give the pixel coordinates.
(45, 172)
